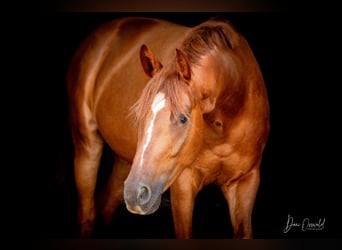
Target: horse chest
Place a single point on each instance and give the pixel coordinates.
(220, 162)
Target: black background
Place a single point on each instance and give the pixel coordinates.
(299, 171)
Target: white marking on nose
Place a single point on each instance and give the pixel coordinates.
(157, 104)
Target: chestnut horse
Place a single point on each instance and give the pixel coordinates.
(192, 112)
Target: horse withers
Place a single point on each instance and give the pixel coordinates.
(180, 107)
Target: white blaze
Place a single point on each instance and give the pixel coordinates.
(157, 104)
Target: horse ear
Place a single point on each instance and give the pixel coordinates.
(150, 63)
(183, 65)
(207, 101)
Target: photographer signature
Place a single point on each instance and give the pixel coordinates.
(305, 225)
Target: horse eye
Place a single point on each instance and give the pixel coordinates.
(183, 119)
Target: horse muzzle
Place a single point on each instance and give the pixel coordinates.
(142, 199)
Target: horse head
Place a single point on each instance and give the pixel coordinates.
(170, 129)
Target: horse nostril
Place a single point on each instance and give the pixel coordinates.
(144, 195)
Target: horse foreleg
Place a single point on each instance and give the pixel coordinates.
(86, 165)
(241, 197)
(183, 194)
(113, 195)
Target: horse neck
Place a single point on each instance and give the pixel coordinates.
(223, 78)
(244, 88)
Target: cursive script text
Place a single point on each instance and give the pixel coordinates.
(304, 225)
